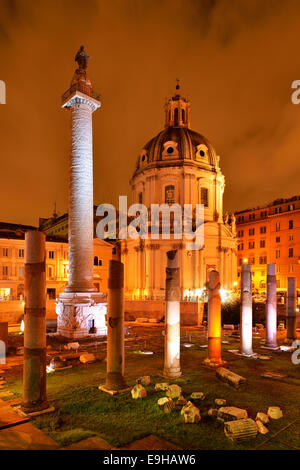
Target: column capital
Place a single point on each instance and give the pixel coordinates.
(76, 98)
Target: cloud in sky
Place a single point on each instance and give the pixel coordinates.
(236, 61)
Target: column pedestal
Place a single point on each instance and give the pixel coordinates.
(78, 313)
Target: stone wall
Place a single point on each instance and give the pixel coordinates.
(191, 313)
(12, 311)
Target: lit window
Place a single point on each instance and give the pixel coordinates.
(277, 254)
(204, 197)
(277, 226)
(170, 194)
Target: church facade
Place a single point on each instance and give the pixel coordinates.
(180, 166)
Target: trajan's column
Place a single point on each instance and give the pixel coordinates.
(80, 309)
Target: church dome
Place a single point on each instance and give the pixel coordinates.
(177, 144)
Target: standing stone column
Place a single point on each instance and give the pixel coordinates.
(80, 308)
(115, 381)
(172, 318)
(291, 303)
(214, 358)
(34, 371)
(81, 214)
(246, 311)
(271, 308)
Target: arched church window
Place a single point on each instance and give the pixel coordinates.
(176, 120)
(170, 194)
(182, 115)
(204, 197)
(202, 153)
(95, 260)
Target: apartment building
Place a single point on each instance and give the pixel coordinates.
(12, 251)
(270, 234)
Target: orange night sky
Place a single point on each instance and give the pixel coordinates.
(236, 61)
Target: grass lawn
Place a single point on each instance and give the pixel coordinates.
(82, 410)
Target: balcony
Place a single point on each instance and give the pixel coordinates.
(79, 86)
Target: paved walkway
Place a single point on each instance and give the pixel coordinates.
(150, 442)
(21, 437)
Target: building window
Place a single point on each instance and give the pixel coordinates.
(182, 115)
(252, 216)
(262, 260)
(240, 233)
(176, 117)
(263, 214)
(21, 253)
(291, 207)
(277, 239)
(263, 229)
(252, 261)
(5, 252)
(291, 224)
(241, 218)
(277, 226)
(251, 245)
(291, 252)
(277, 254)
(291, 238)
(51, 254)
(240, 246)
(5, 270)
(204, 197)
(21, 271)
(95, 260)
(170, 194)
(251, 231)
(262, 243)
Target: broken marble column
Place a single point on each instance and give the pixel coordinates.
(34, 370)
(271, 308)
(246, 311)
(115, 381)
(172, 317)
(291, 303)
(214, 358)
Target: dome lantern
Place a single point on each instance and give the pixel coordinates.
(177, 110)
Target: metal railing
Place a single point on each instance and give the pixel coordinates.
(87, 90)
